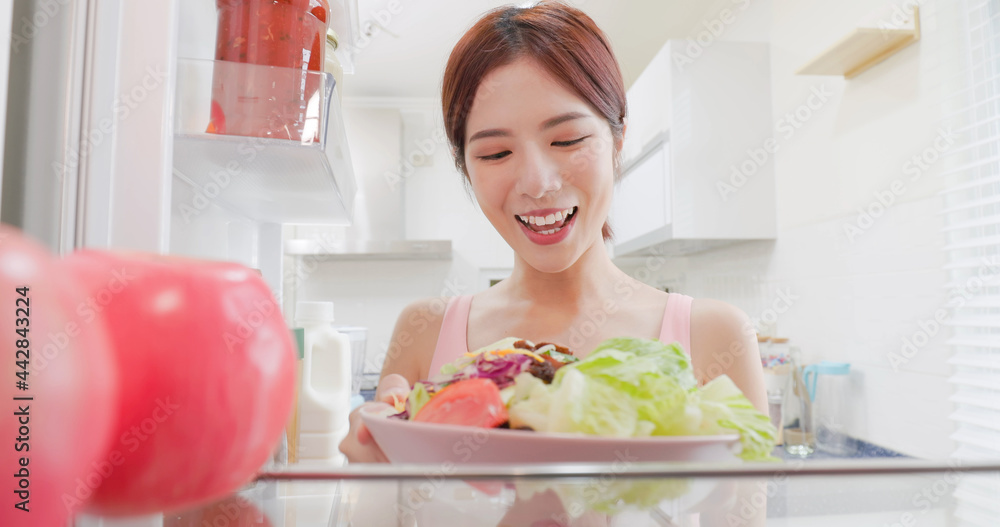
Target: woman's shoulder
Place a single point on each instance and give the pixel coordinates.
(724, 341)
(712, 313)
(415, 337)
(720, 328)
(422, 313)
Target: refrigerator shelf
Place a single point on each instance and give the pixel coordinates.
(307, 178)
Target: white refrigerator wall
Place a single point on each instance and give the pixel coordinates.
(6, 33)
(199, 225)
(838, 293)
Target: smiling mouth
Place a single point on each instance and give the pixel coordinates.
(550, 224)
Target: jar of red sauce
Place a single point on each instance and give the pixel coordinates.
(263, 50)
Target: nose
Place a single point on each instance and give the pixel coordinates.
(538, 174)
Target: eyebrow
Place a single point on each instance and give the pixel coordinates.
(549, 123)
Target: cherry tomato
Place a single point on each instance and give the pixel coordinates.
(55, 440)
(207, 376)
(471, 402)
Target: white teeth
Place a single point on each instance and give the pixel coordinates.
(547, 220)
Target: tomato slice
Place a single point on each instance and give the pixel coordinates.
(472, 402)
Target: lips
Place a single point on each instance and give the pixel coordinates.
(544, 233)
(548, 221)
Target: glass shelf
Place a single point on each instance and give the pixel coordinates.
(887, 492)
(265, 142)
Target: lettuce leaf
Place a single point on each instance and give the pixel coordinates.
(632, 387)
(726, 410)
(419, 396)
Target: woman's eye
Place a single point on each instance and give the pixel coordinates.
(569, 143)
(493, 157)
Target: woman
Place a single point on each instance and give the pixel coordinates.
(534, 107)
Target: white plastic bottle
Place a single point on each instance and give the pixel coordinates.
(324, 399)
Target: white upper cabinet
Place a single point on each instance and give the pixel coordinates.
(698, 156)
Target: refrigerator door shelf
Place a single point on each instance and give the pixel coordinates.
(298, 172)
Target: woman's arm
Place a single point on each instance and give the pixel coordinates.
(406, 361)
(414, 339)
(723, 341)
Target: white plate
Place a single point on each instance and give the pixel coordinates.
(414, 442)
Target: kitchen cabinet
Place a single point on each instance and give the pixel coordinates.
(698, 155)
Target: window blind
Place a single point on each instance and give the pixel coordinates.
(971, 214)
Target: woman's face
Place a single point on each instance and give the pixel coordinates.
(540, 161)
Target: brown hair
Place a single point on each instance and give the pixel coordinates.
(562, 39)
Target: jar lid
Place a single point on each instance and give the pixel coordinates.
(779, 340)
(331, 38)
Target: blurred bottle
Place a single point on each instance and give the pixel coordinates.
(774, 359)
(332, 63)
(830, 391)
(359, 339)
(292, 430)
(796, 411)
(324, 400)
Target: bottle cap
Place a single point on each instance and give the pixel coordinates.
(321, 311)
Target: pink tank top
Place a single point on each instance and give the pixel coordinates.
(453, 339)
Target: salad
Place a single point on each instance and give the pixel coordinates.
(626, 387)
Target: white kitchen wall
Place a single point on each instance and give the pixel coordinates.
(855, 295)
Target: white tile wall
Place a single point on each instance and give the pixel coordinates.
(853, 303)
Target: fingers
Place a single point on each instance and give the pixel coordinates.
(392, 387)
(359, 446)
(364, 435)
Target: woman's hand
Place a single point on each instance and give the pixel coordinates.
(359, 446)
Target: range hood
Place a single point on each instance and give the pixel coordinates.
(378, 227)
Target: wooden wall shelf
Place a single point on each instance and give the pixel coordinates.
(863, 48)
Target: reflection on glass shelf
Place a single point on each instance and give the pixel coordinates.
(788, 494)
(264, 142)
(897, 492)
